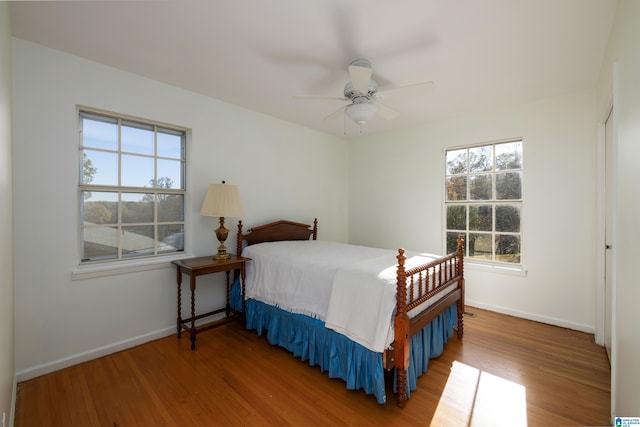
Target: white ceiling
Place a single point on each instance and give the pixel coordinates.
(480, 54)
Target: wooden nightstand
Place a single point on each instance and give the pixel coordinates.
(194, 267)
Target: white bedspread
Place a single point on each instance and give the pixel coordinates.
(372, 285)
(351, 288)
(297, 276)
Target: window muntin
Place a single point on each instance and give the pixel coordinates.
(483, 200)
(132, 188)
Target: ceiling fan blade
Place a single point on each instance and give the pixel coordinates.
(416, 89)
(386, 112)
(360, 77)
(330, 98)
(336, 113)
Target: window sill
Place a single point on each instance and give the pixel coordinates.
(493, 268)
(93, 271)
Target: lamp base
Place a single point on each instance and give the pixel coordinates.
(221, 255)
(221, 235)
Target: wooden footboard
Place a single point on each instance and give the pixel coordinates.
(442, 278)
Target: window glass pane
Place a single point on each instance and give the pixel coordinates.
(480, 218)
(452, 241)
(119, 154)
(457, 188)
(457, 217)
(169, 145)
(481, 159)
(170, 238)
(137, 207)
(508, 248)
(480, 246)
(137, 138)
(99, 167)
(456, 161)
(508, 218)
(137, 171)
(480, 187)
(483, 198)
(100, 133)
(509, 155)
(99, 243)
(138, 240)
(170, 174)
(509, 186)
(99, 207)
(170, 207)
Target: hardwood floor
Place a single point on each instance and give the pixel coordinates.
(234, 377)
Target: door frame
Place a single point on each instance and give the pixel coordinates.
(601, 225)
(609, 106)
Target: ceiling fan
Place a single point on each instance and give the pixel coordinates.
(361, 91)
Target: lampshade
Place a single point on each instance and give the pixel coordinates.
(222, 200)
(362, 112)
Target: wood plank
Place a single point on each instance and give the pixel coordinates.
(235, 377)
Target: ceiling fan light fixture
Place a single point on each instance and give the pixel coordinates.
(361, 113)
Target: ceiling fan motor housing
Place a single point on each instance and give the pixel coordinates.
(353, 95)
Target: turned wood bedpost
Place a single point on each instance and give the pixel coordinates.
(460, 261)
(315, 229)
(401, 331)
(239, 239)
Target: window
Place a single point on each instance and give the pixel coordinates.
(132, 188)
(483, 200)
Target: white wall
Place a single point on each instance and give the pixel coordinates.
(282, 170)
(396, 194)
(7, 346)
(623, 49)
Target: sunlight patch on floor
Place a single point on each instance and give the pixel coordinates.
(473, 398)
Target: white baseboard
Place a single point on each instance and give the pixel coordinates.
(531, 316)
(56, 365)
(65, 362)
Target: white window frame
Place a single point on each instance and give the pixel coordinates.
(158, 252)
(493, 262)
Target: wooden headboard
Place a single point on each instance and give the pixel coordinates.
(275, 232)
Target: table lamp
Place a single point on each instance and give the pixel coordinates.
(222, 200)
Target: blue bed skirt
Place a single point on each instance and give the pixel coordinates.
(361, 368)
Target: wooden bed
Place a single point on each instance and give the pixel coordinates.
(441, 279)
